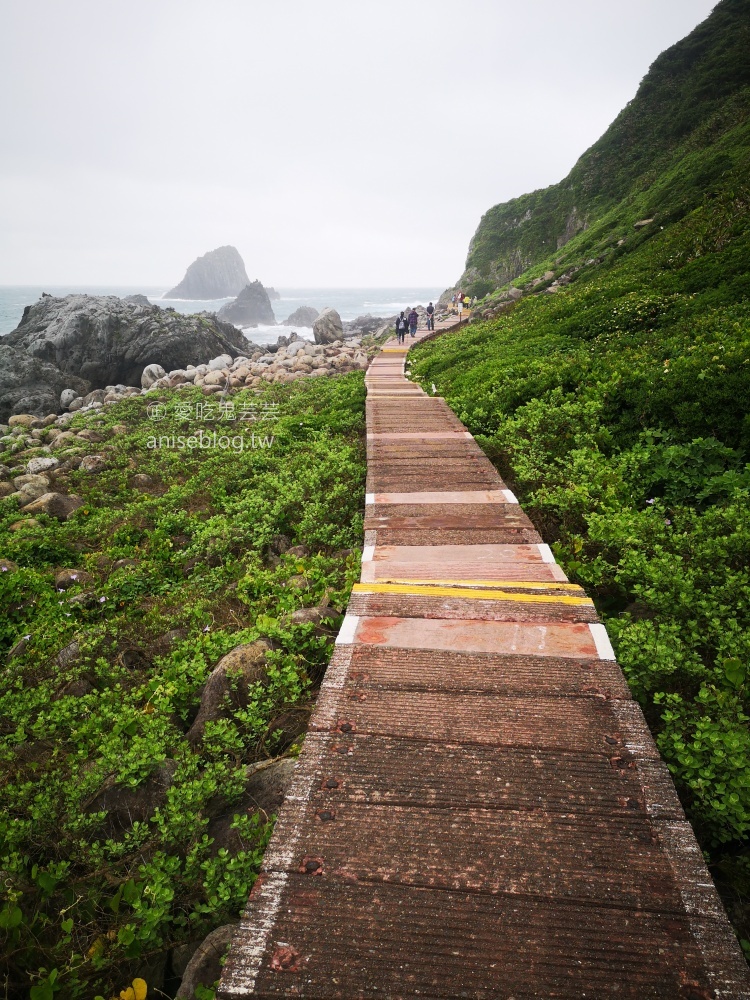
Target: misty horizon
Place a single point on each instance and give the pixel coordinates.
(333, 146)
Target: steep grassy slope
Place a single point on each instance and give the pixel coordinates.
(694, 93)
(619, 409)
(117, 838)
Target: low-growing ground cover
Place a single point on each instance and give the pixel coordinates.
(618, 409)
(114, 808)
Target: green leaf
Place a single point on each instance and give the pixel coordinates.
(734, 671)
(10, 917)
(42, 991)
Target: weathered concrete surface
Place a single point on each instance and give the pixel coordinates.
(479, 809)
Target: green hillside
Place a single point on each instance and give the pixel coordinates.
(618, 408)
(694, 94)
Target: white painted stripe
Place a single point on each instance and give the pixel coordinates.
(509, 496)
(601, 639)
(546, 553)
(368, 553)
(252, 938)
(369, 498)
(347, 630)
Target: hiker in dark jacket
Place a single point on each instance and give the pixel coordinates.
(401, 325)
(413, 321)
(430, 316)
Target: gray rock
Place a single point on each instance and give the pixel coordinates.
(292, 350)
(37, 465)
(368, 324)
(150, 374)
(251, 307)
(92, 463)
(30, 384)
(55, 504)
(66, 578)
(328, 328)
(204, 968)
(216, 275)
(514, 293)
(137, 300)
(265, 791)
(68, 654)
(304, 316)
(108, 342)
(228, 684)
(67, 396)
(125, 805)
(218, 364)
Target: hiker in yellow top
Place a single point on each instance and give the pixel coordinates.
(467, 304)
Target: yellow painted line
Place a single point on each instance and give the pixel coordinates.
(477, 595)
(525, 584)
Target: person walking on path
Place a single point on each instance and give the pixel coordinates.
(401, 326)
(459, 306)
(467, 303)
(430, 316)
(413, 321)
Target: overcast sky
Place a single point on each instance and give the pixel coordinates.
(335, 142)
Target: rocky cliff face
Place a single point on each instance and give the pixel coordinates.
(105, 340)
(215, 275)
(31, 385)
(251, 307)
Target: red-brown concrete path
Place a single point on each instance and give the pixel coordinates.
(479, 809)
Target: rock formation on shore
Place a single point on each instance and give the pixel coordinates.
(31, 385)
(251, 307)
(216, 275)
(328, 327)
(84, 341)
(304, 316)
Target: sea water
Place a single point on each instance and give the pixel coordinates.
(349, 303)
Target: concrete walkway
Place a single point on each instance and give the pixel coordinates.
(479, 809)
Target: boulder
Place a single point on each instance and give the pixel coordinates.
(325, 619)
(328, 328)
(92, 463)
(150, 374)
(303, 316)
(216, 275)
(514, 293)
(137, 300)
(220, 363)
(55, 504)
(125, 805)
(228, 684)
(266, 788)
(107, 342)
(251, 307)
(67, 396)
(66, 578)
(37, 465)
(204, 968)
(30, 384)
(368, 324)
